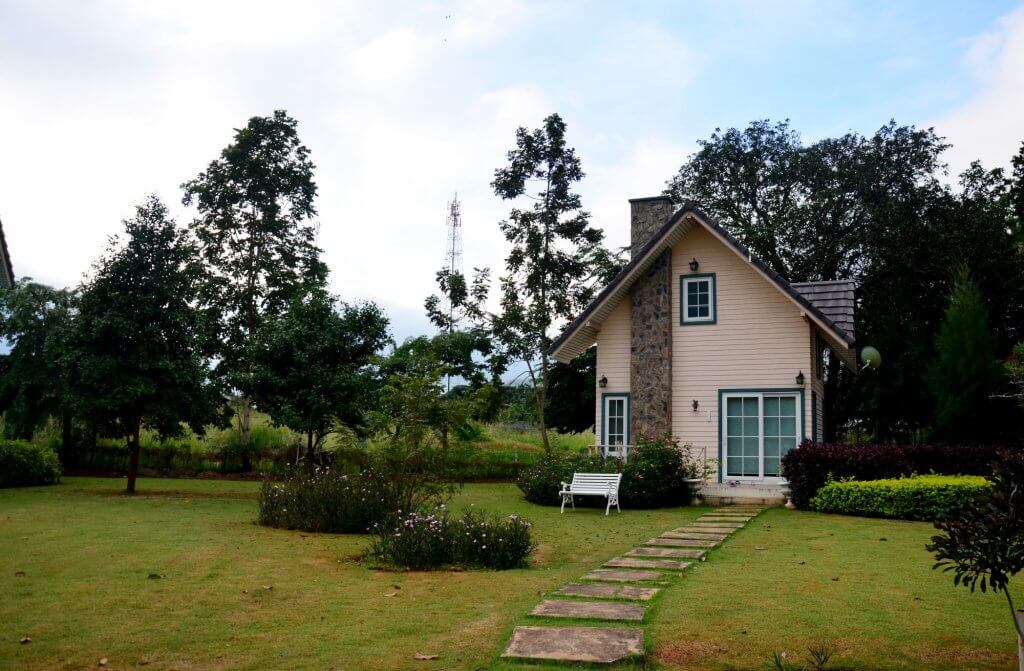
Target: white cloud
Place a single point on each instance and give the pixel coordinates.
(990, 126)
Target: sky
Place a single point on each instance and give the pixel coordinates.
(403, 104)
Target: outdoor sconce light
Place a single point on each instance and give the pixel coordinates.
(800, 379)
(696, 404)
(603, 382)
(694, 264)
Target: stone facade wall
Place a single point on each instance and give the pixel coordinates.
(651, 350)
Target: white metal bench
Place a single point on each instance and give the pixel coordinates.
(592, 484)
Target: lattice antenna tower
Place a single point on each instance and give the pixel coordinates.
(453, 249)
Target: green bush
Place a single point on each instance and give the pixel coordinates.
(327, 501)
(422, 541)
(653, 477)
(541, 482)
(23, 464)
(925, 497)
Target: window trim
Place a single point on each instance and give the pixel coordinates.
(628, 397)
(713, 296)
(761, 392)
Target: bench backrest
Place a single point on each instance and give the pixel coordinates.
(598, 481)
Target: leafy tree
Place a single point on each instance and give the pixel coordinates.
(34, 322)
(983, 546)
(463, 346)
(965, 373)
(550, 270)
(1014, 367)
(1016, 195)
(311, 366)
(134, 353)
(571, 397)
(878, 210)
(255, 205)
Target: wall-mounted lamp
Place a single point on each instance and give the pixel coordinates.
(800, 379)
(696, 404)
(694, 264)
(603, 382)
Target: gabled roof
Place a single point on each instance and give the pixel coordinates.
(6, 269)
(835, 299)
(582, 331)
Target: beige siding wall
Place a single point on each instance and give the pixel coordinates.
(760, 340)
(613, 342)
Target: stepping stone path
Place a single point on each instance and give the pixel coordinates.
(610, 594)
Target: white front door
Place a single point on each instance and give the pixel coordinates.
(615, 424)
(757, 429)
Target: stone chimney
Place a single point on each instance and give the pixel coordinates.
(651, 325)
(647, 215)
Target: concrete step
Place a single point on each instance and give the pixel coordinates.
(608, 591)
(622, 575)
(647, 563)
(682, 542)
(665, 552)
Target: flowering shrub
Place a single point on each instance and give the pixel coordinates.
(326, 501)
(422, 541)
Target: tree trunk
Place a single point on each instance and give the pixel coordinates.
(309, 451)
(542, 397)
(1020, 641)
(133, 458)
(67, 447)
(246, 434)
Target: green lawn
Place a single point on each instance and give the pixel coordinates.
(86, 552)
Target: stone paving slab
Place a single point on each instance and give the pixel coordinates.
(608, 591)
(665, 552)
(590, 610)
(715, 529)
(682, 542)
(576, 644)
(633, 562)
(728, 519)
(621, 575)
(683, 532)
(711, 521)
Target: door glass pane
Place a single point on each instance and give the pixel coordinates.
(742, 434)
(780, 427)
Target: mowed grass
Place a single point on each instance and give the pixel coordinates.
(863, 587)
(87, 551)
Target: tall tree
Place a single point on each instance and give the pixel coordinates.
(255, 205)
(878, 210)
(311, 366)
(965, 373)
(34, 322)
(463, 346)
(135, 353)
(1017, 197)
(550, 271)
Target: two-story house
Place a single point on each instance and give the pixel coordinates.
(698, 339)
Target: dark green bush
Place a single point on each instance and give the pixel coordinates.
(541, 482)
(422, 541)
(925, 497)
(653, 477)
(327, 501)
(23, 464)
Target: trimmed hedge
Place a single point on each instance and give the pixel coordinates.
(924, 497)
(24, 464)
(810, 465)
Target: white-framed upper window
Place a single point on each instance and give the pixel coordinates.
(697, 297)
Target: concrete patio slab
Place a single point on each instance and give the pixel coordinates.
(590, 610)
(575, 644)
(633, 562)
(621, 575)
(608, 591)
(665, 552)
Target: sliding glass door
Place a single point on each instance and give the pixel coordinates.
(757, 429)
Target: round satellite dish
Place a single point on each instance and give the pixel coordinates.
(871, 358)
